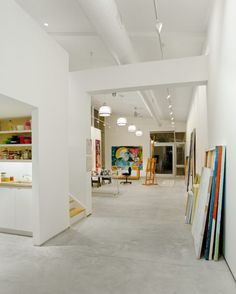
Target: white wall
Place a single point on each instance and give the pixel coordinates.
(95, 135)
(222, 105)
(118, 136)
(79, 132)
(34, 70)
(220, 108)
(197, 119)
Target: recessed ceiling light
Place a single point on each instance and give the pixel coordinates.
(172, 118)
(171, 112)
(46, 24)
(170, 106)
(168, 97)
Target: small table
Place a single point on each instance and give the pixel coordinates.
(113, 179)
(96, 180)
(106, 178)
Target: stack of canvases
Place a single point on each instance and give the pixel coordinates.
(192, 180)
(192, 201)
(206, 228)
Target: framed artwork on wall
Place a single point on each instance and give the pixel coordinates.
(127, 156)
(98, 154)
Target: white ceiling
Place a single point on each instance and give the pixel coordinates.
(13, 108)
(176, 15)
(125, 102)
(183, 30)
(184, 33)
(180, 100)
(129, 99)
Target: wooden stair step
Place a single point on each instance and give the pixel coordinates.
(75, 211)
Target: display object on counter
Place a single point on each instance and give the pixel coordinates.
(12, 125)
(18, 140)
(15, 139)
(4, 178)
(25, 154)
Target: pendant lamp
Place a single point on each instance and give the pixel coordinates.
(139, 133)
(131, 128)
(104, 110)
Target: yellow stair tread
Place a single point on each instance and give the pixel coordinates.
(75, 211)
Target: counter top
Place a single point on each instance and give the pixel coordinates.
(17, 184)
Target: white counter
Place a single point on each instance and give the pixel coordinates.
(16, 210)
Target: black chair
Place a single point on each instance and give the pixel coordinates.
(128, 174)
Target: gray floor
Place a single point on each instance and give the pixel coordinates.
(134, 243)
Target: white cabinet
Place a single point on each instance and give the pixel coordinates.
(16, 209)
(7, 208)
(23, 211)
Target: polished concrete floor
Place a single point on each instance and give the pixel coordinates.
(133, 243)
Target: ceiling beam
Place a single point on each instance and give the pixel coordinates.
(145, 76)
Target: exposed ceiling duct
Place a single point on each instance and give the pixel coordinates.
(105, 17)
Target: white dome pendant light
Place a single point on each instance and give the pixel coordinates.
(121, 121)
(139, 133)
(105, 110)
(131, 128)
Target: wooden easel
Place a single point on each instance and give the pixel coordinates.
(151, 172)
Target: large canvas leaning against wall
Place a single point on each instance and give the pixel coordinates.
(125, 156)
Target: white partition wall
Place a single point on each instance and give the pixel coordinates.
(79, 134)
(198, 119)
(213, 115)
(34, 70)
(221, 108)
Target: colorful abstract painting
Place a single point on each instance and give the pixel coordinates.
(125, 156)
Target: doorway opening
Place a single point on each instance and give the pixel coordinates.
(169, 150)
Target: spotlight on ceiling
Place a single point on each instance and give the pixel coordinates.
(168, 97)
(46, 24)
(131, 128)
(170, 106)
(121, 121)
(139, 133)
(159, 26)
(104, 110)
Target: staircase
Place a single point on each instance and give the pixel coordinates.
(77, 212)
